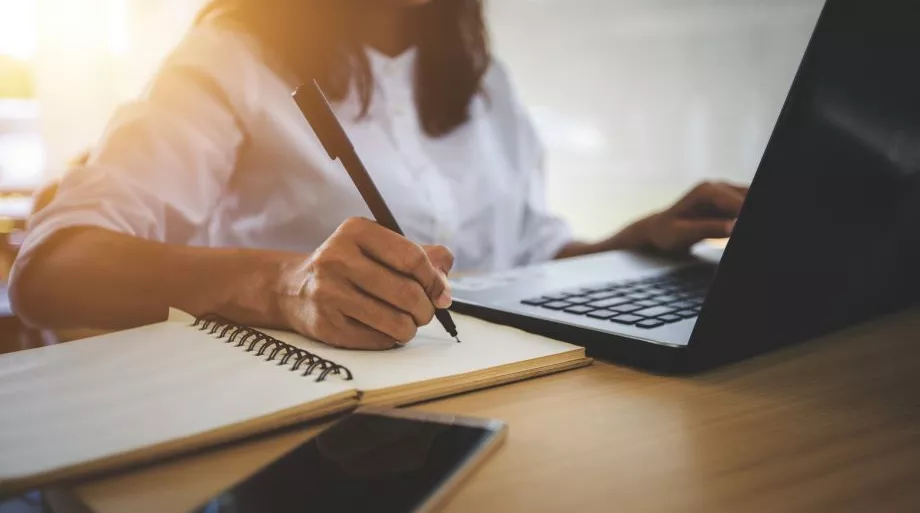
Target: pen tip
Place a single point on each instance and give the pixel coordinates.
(457, 339)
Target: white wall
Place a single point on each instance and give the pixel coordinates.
(638, 99)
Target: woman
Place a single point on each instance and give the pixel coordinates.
(211, 194)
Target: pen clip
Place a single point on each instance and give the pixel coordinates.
(315, 108)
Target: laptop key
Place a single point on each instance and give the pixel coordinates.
(649, 323)
(557, 297)
(578, 300)
(626, 319)
(687, 314)
(556, 305)
(607, 303)
(638, 296)
(684, 304)
(625, 309)
(578, 309)
(647, 303)
(670, 318)
(654, 311)
(602, 295)
(602, 314)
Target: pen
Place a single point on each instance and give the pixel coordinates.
(316, 110)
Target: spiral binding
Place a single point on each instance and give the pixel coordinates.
(260, 343)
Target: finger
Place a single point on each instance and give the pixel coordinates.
(397, 290)
(401, 255)
(329, 326)
(351, 334)
(321, 318)
(441, 258)
(727, 199)
(743, 189)
(720, 196)
(687, 232)
(379, 316)
(412, 261)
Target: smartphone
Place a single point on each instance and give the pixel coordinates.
(380, 460)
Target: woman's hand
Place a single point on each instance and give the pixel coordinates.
(708, 211)
(366, 287)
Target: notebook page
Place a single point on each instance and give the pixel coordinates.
(434, 354)
(81, 401)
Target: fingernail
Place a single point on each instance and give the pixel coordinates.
(731, 226)
(445, 299)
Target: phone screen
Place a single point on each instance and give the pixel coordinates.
(365, 462)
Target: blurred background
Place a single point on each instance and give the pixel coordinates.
(635, 99)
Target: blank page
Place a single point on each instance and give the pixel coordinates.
(433, 354)
(100, 397)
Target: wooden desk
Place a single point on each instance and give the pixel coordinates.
(833, 425)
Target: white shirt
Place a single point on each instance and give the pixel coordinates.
(216, 153)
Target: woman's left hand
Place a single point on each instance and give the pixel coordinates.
(708, 211)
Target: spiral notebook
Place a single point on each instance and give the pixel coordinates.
(100, 403)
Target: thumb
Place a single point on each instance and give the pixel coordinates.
(688, 232)
(441, 258)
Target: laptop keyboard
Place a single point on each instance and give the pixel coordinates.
(648, 303)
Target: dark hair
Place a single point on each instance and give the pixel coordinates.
(317, 39)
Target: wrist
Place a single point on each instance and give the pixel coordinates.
(251, 285)
(637, 235)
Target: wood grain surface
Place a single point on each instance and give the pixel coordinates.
(830, 425)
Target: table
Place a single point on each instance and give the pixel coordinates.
(831, 425)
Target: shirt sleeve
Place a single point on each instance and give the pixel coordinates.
(543, 234)
(164, 160)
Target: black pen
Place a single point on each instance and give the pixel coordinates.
(316, 110)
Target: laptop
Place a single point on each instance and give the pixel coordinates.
(829, 235)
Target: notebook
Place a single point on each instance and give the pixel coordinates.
(95, 404)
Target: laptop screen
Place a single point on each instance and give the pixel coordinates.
(830, 233)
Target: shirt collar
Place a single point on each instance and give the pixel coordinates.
(400, 66)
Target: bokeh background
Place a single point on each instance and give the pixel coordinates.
(635, 99)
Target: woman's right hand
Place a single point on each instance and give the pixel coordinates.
(366, 287)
